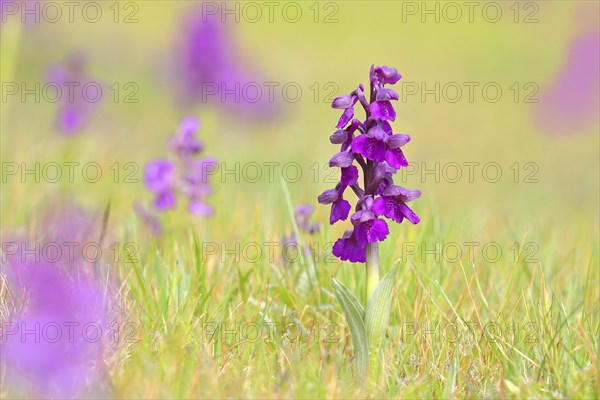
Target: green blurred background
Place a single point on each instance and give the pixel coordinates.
(529, 44)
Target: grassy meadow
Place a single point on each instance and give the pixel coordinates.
(498, 290)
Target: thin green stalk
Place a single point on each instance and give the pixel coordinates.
(372, 268)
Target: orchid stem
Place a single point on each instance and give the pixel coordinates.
(372, 258)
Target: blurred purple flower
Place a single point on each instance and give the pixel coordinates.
(210, 68)
(54, 348)
(53, 342)
(17, 12)
(188, 176)
(79, 93)
(570, 103)
(184, 142)
(2, 14)
(65, 234)
(302, 215)
(376, 149)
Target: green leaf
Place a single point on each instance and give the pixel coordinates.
(354, 317)
(377, 313)
(349, 295)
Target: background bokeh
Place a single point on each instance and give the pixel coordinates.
(529, 47)
(540, 131)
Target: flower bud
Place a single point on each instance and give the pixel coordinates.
(328, 196)
(338, 136)
(343, 102)
(342, 159)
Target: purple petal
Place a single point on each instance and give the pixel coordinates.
(388, 207)
(396, 141)
(349, 176)
(355, 218)
(366, 202)
(386, 95)
(339, 211)
(367, 215)
(411, 194)
(164, 200)
(386, 127)
(385, 75)
(379, 206)
(370, 148)
(346, 116)
(372, 231)
(396, 158)
(406, 194)
(382, 110)
(378, 133)
(409, 214)
(347, 248)
(159, 175)
(385, 182)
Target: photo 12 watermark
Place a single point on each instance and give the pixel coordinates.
(70, 92)
(69, 252)
(69, 12)
(292, 332)
(62, 332)
(289, 252)
(272, 172)
(292, 12)
(470, 332)
(453, 12)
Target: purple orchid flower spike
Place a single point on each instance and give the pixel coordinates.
(377, 150)
(77, 104)
(187, 176)
(210, 68)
